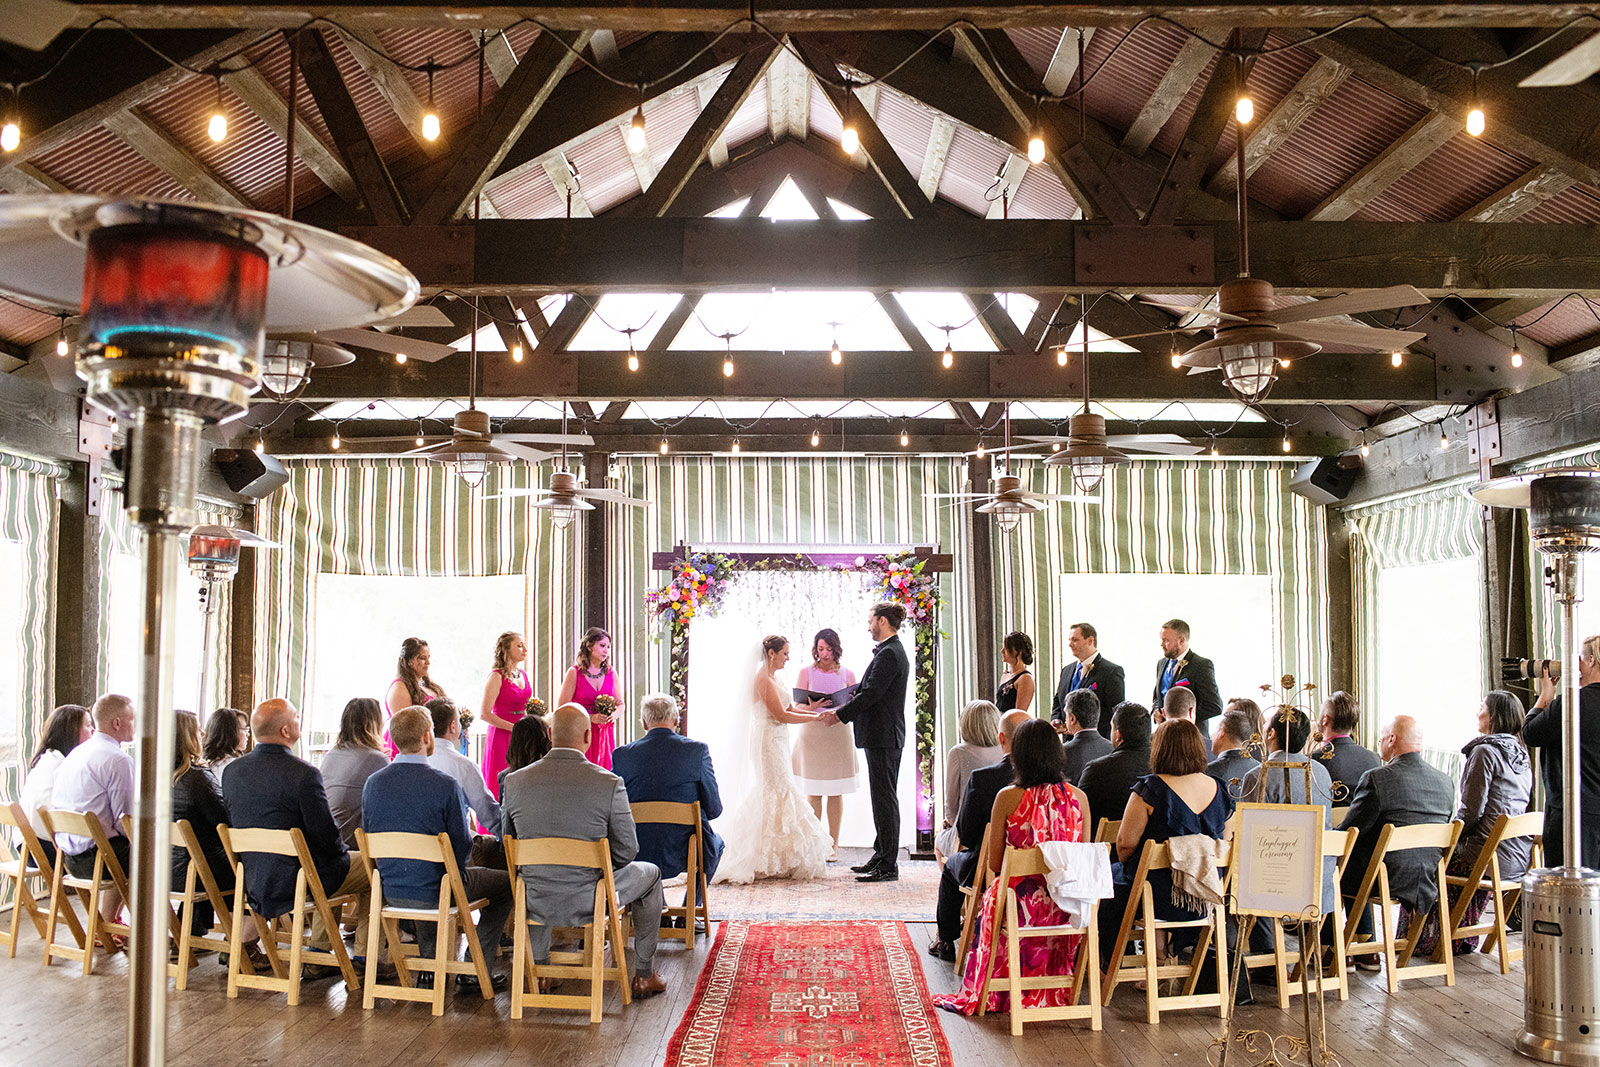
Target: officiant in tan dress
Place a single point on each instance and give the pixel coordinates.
(825, 755)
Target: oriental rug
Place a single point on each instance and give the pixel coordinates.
(908, 900)
(810, 994)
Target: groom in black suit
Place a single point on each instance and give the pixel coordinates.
(1179, 666)
(878, 714)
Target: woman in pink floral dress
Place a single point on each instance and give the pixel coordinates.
(1040, 807)
(586, 682)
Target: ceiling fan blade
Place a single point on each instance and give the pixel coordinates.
(612, 496)
(1569, 68)
(425, 449)
(958, 497)
(1205, 370)
(1395, 296)
(547, 438)
(517, 493)
(1007, 448)
(1073, 498)
(1189, 309)
(1151, 443)
(532, 455)
(391, 343)
(33, 24)
(1040, 440)
(419, 315)
(1337, 333)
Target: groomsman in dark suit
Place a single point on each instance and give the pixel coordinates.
(1345, 758)
(1179, 666)
(1090, 671)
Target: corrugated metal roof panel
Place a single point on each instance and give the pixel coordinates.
(1458, 175)
(667, 118)
(970, 169)
(1118, 90)
(751, 120)
(907, 124)
(1040, 195)
(1564, 322)
(1581, 203)
(98, 161)
(605, 171)
(1357, 123)
(23, 325)
(528, 194)
(271, 60)
(824, 119)
(1037, 45)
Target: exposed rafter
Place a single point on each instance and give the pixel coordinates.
(1186, 68)
(160, 148)
(1418, 143)
(361, 156)
(1520, 196)
(391, 84)
(251, 86)
(1313, 89)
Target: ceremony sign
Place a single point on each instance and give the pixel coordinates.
(1279, 853)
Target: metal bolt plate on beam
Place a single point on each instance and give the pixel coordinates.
(1483, 442)
(1113, 256)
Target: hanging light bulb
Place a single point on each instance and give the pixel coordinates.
(1244, 110)
(1283, 362)
(516, 352)
(981, 450)
(430, 117)
(816, 438)
(10, 134)
(1061, 356)
(399, 357)
(61, 338)
(1055, 446)
(1286, 440)
(1444, 438)
(663, 446)
(1366, 450)
(1516, 350)
(419, 437)
(217, 125)
(836, 354)
(636, 138)
(736, 446)
(1475, 119)
(727, 367)
(336, 441)
(261, 445)
(949, 357)
(1215, 452)
(849, 140)
(1177, 355)
(1036, 145)
(905, 438)
(1396, 358)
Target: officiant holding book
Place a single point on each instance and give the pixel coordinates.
(825, 754)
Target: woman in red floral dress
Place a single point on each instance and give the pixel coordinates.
(1040, 807)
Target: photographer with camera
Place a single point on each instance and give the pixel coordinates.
(1543, 731)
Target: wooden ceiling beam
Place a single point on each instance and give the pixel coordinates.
(687, 255)
(505, 117)
(1186, 68)
(1425, 137)
(390, 81)
(168, 155)
(259, 95)
(361, 156)
(1212, 114)
(1520, 196)
(26, 178)
(1044, 314)
(506, 321)
(1313, 89)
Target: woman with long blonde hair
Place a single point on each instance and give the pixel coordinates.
(505, 701)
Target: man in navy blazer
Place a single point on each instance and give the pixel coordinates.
(665, 765)
(1090, 670)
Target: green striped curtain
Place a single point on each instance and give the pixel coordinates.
(1543, 615)
(28, 503)
(1173, 517)
(412, 518)
(1432, 526)
(810, 503)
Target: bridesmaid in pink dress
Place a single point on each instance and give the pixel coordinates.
(592, 677)
(412, 686)
(505, 700)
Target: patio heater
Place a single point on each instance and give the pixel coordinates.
(1561, 905)
(214, 559)
(175, 299)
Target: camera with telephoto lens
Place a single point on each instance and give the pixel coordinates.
(1518, 670)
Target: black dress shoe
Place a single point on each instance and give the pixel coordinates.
(882, 874)
(942, 950)
(468, 983)
(866, 868)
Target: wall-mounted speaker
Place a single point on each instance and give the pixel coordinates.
(248, 472)
(1324, 481)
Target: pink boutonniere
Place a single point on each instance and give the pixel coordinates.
(1181, 681)
(1094, 685)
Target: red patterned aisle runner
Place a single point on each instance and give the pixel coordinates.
(810, 995)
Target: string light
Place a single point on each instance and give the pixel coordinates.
(430, 117)
(905, 438)
(735, 445)
(949, 357)
(61, 338)
(10, 134)
(1286, 440)
(1061, 356)
(419, 433)
(816, 438)
(1396, 358)
(1244, 108)
(1516, 350)
(836, 354)
(336, 441)
(261, 445)
(727, 367)
(981, 450)
(1444, 438)
(516, 352)
(1366, 449)
(636, 138)
(1177, 356)
(1055, 446)
(217, 126)
(1215, 452)
(1476, 123)
(1036, 138)
(849, 139)
(399, 357)
(663, 446)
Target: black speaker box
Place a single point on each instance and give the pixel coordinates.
(248, 472)
(1323, 481)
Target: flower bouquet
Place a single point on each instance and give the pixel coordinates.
(606, 705)
(534, 706)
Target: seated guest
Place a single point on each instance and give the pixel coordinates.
(97, 776)
(1180, 703)
(1230, 762)
(269, 788)
(564, 795)
(445, 755)
(979, 729)
(356, 756)
(972, 819)
(1543, 731)
(195, 797)
(1038, 806)
(529, 743)
(1403, 791)
(665, 765)
(69, 726)
(411, 796)
(1285, 742)
(1109, 780)
(1089, 670)
(227, 738)
(1496, 780)
(1345, 759)
(1176, 799)
(1084, 743)
(1258, 727)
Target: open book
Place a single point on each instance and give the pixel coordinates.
(835, 700)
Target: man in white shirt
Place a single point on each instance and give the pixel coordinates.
(447, 758)
(97, 777)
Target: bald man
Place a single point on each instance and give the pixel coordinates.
(564, 795)
(271, 788)
(1402, 791)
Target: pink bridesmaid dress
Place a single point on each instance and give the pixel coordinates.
(511, 704)
(388, 713)
(603, 738)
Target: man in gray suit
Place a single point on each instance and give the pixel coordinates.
(564, 795)
(1230, 762)
(1083, 744)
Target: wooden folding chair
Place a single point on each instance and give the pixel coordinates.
(1336, 845)
(973, 904)
(1106, 833)
(199, 885)
(1024, 863)
(1139, 922)
(694, 906)
(107, 871)
(1336, 815)
(1503, 892)
(285, 978)
(453, 916)
(1397, 958)
(605, 926)
(23, 864)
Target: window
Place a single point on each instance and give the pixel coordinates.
(124, 628)
(360, 621)
(1429, 650)
(1232, 621)
(11, 563)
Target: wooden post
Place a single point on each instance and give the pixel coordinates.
(596, 535)
(1505, 591)
(978, 532)
(1341, 606)
(241, 681)
(78, 565)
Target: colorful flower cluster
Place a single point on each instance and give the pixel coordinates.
(534, 706)
(900, 578)
(696, 587)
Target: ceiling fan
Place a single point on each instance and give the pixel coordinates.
(1253, 338)
(564, 497)
(1009, 502)
(397, 345)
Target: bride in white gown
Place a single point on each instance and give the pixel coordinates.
(771, 830)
